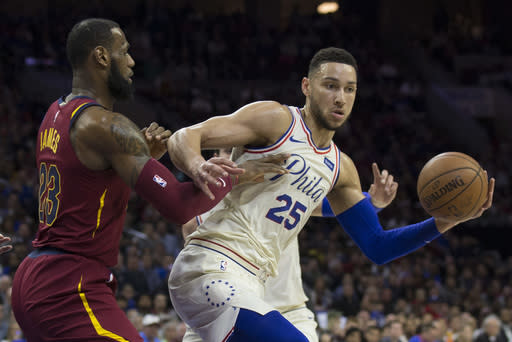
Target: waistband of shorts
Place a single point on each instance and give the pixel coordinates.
(220, 248)
(47, 251)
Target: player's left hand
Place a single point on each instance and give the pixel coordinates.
(383, 190)
(156, 136)
(6, 248)
(444, 225)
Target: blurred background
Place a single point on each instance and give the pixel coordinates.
(434, 76)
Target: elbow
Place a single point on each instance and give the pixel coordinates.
(376, 258)
(376, 254)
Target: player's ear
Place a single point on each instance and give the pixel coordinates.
(101, 56)
(305, 85)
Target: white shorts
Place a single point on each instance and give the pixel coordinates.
(302, 318)
(208, 284)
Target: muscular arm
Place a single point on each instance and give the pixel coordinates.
(103, 140)
(256, 124)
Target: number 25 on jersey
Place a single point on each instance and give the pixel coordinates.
(293, 215)
(49, 190)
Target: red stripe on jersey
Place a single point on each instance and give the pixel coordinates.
(229, 249)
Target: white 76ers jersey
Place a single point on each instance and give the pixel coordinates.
(257, 221)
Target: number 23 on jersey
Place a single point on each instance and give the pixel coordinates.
(49, 190)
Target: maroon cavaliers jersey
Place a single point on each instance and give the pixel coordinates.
(80, 210)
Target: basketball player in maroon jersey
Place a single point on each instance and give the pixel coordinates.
(89, 158)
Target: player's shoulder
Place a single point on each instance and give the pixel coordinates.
(266, 108)
(100, 118)
(98, 126)
(269, 115)
(346, 163)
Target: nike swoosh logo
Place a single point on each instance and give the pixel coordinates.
(296, 141)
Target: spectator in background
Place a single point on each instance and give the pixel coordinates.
(144, 304)
(353, 334)
(491, 330)
(151, 324)
(321, 297)
(325, 336)
(465, 334)
(173, 331)
(372, 334)
(348, 303)
(135, 318)
(161, 307)
(506, 321)
(396, 332)
(425, 333)
(134, 276)
(151, 275)
(440, 329)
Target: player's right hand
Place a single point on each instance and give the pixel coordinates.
(383, 189)
(256, 169)
(209, 171)
(5, 248)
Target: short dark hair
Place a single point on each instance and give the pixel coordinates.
(85, 36)
(353, 330)
(330, 54)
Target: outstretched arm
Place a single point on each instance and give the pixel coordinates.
(358, 218)
(106, 140)
(256, 124)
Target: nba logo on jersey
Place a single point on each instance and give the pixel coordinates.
(223, 265)
(160, 181)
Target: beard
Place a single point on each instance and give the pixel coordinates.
(119, 87)
(317, 115)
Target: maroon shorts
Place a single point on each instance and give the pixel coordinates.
(66, 297)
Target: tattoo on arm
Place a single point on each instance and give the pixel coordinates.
(128, 138)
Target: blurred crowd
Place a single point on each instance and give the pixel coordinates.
(457, 288)
(457, 40)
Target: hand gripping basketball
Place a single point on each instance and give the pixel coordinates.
(453, 188)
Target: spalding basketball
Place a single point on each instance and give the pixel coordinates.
(453, 186)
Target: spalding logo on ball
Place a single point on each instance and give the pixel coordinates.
(453, 186)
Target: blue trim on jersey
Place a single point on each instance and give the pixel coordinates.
(311, 135)
(278, 140)
(245, 268)
(81, 97)
(339, 166)
(77, 114)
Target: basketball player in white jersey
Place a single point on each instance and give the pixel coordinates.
(217, 282)
(285, 291)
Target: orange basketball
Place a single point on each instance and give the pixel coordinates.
(452, 185)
